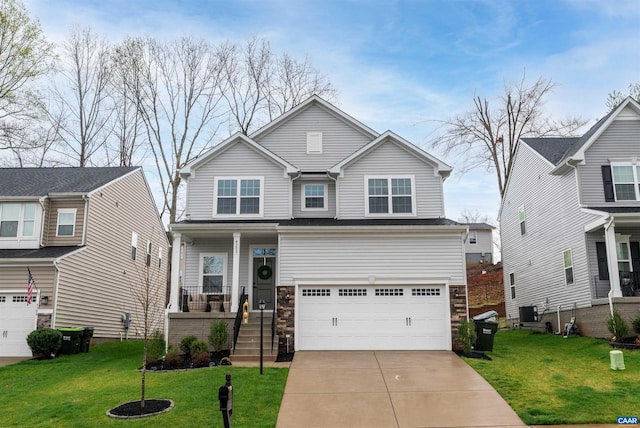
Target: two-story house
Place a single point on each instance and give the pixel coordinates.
(570, 224)
(339, 229)
(87, 236)
(479, 244)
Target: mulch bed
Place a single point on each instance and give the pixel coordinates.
(473, 354)
(133, 409)
(285, 357)
(217, 359)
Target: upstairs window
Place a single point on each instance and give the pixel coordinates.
(238, 196)
(134, 245)
(625, 182)
(568, 266)
(159, 257)
(390, 195)
(17, 220)
(473, 237)
(512, 284)
(523, 224)
(66, 222)
(148, 253)
(315, 197)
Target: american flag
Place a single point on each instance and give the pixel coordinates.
(30, 285)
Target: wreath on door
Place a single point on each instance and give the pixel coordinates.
(264, 272)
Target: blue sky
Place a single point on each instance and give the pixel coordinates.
(405, 65)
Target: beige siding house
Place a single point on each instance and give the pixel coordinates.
(338, 229)
(88, 236)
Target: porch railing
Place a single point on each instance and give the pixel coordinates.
(629, 283)
(203, 299)
(238, 321)
(273, 326)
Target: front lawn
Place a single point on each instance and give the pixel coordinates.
(77, 390)
(548, 379)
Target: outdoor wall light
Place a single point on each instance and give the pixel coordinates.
(44, 300)
(456, 293)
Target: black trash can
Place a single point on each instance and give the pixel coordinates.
(86, 339)
(71, 338)
(486, 328)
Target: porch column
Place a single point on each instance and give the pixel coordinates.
(612, 259)
(235, 276)
(176, 248)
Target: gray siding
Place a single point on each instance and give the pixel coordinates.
(423, 255)
(14, 277)
(620, 140)
(339, 139)
(484, 243)
(554, 223)
(389, 159)
(99, 284)
(238, 160)
(298, 195)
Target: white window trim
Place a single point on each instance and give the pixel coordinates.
(304, 197)
(21, 220)
(624, 239)
(512, 285)
(636, 179)
(523, 220)
(311, 138)
(73, 211)
(475, 237)
(564, 268)
(238, 198)
(390, 196)
(160, 257)
(134, 244)
(224, 271)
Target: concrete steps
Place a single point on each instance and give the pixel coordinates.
(248, 344)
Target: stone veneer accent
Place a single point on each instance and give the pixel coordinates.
(285, 317)
(44, 321)
(286, 313)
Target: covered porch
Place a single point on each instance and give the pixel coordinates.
(613, 247)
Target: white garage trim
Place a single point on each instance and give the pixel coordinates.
(381, 314)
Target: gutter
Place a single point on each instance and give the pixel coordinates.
(609, 294)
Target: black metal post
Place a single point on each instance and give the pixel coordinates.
(225, 395)
(261, 303)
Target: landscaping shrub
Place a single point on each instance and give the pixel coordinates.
(200, 358)
(617, 326)
(466, 336)
(218, 335)
(635, 323)
(172, 359)
(45, 341)
(199, 346)
(185, 345)
(155, 347)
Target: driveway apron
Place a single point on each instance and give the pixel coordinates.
(388, 389)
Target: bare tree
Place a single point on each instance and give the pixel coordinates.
(488, 137)
(25, 55)
(177, 89)
(615, 98)
(84, 102)
(261, 85)
(469, 216)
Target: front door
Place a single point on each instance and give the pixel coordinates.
(264, 281)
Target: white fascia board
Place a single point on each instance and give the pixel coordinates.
(302, 106)
(359, 279)
(97, 189)
(222, 227)
(367, 229)
(441, 167)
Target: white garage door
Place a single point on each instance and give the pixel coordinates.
(373, 318)
(17, 320)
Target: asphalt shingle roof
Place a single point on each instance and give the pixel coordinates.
(44, 181)
(36, 253)
(310, 222)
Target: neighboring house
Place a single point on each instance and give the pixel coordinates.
(88, 236)
(339, 229)
(478, 247)
(570, 224)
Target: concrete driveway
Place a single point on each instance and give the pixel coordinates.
(389, 389)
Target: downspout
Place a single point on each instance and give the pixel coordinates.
(335, 180)
(291, 193)
(55, 298)
(85, 198)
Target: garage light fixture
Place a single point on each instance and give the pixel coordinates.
(44, 300)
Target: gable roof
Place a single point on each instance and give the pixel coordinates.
(564, 151)
(230, 142)
(313, 100)
(441, 167)
(479, 226)
(39, 182)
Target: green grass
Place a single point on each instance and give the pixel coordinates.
(77, 390)
(548, 379)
